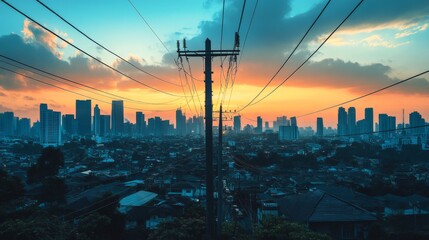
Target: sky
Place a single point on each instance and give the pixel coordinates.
(381, 43)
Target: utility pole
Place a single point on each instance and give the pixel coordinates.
(219, 180)
(208, 54)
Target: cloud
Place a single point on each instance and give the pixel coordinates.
(4, 108)
(34, 33)
(29, 98)
(412, 31)
(357, 78)
(2, 94)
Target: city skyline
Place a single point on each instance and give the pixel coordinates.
(371, 50)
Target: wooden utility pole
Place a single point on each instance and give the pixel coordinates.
(208, 54)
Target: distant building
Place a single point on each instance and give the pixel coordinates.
(180, 123)
(50, 126)
(280, 121)
(237, 124)
(416, 123)
(117, 117)
(104, 125)
(319, 127)
(351, 120)
(140, 124)
(8, 123)
(288, 133)
(369, 120)
(83, 117)
(24, 127)
(259, 125)
(342, 122)
(96, 121)
(69, 124)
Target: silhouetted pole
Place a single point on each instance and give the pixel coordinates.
(208, 54)
(219, 180)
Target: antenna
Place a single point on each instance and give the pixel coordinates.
(237, 40)
(178, 45)
(184, 43)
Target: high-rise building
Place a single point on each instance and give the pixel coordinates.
(342, 122)
(237, 123)
(83, 117)
(117, 117)
(50, 126)
(392, 125)
(369, 120)
(24, 127)
(416, 121)
(288, 133)
(293, 121)
(69, 124)
(104, 125)
(319, 127)
(8, 123)
(280, 121)
(351, 120)
(259, 125)
(180, 123)
(96, 121)
(140, 124)
(383, 125)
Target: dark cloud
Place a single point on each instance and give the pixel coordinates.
(273, 33)
(357, 78)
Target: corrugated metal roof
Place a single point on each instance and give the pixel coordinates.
(137, 199)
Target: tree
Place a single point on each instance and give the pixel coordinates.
(47, 165)
(53, 190)
(278, 228)
(10, 187)
(95, 226)
(180, 229)
(39, 226)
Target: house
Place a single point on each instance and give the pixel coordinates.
(137, 199)
(326, 213)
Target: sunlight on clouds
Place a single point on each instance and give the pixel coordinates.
(378, 41)
(412, 31)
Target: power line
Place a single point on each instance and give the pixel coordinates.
(290, 55)
(306, 60)
(241, 16)
(71, 91)
(94, 58)
(153, 31)
(365, 95)
(113, 96)
(103, 47)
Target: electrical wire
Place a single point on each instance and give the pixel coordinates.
(306, 60)
(365, 95)
(103, 47)
(153, 31)
(112, 96)
(70, 91)
(290, 55)
(241, 16)
(94, 58)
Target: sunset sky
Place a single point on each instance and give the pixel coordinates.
(383, 42)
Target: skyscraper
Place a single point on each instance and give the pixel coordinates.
(69, 124)
(342, 121)
(24, 127)
(369, 120)
(117, 117)
(259, 125)
(104, 125)
(140, 124)
(319, 127)
(8, 123)
(83, 117)
(50, 126)
(237, 124)
(351, 120)
(180, 123)
(383, 125)
(416, 121)
(96, 123)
